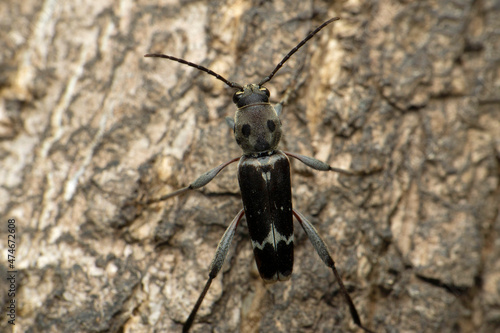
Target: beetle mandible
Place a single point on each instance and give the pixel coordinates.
(265, 184)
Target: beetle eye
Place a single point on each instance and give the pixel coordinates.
(236, 96)
(265, 90)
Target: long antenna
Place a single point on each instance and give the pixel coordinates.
(237, 85)
(295, 49)
(201, 68)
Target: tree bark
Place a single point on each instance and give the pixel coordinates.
(405, 92)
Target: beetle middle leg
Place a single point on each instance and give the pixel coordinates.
(201, 181)
(322, 166)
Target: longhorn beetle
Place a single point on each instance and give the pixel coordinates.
(265, 184)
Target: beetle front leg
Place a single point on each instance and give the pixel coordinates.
(215, 266)
(201, 181)
(320, 247)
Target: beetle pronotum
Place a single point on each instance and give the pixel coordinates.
(265, 184)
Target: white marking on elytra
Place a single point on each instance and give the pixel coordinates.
(266, 176)
(273, 238)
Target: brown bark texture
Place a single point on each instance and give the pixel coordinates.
(406, 92)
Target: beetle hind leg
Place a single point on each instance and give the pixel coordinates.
(215, 266)
(321, 248)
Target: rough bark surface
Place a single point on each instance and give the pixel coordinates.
(405, 91)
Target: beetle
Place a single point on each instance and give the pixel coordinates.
(265, 185)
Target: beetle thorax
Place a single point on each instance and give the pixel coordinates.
(257, 125)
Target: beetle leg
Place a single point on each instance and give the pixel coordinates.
(215, 266)
(322, 166)
(230, 122)
(201, 181)
(324, 254)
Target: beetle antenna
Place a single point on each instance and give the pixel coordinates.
(295, 49)
(199, 67)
